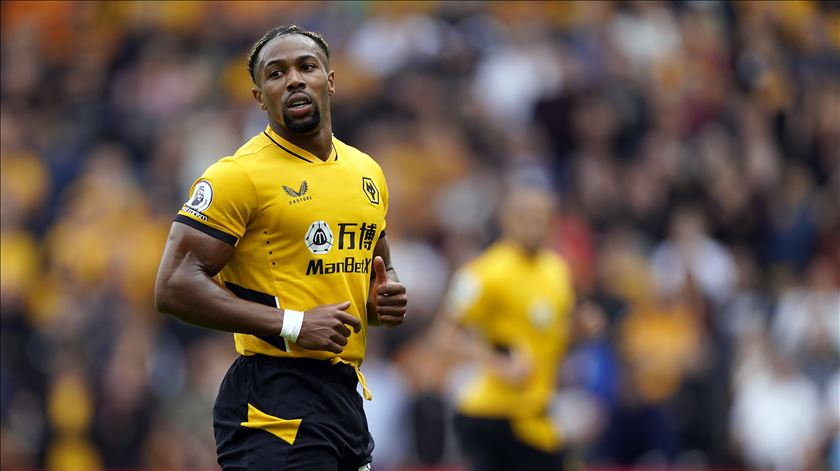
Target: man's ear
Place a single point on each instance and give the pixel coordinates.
(258, 96)
(331, 82)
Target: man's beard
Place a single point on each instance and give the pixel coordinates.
(304, 126)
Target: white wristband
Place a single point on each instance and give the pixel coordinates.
(292, 320)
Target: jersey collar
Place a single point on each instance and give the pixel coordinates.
(299, 152)
(519, 252)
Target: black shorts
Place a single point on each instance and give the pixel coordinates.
(323, 428)
(490, 445)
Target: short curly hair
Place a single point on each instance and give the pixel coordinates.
(285, 30)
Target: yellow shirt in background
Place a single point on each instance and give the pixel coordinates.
(522, 304)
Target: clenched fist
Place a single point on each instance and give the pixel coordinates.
(325, 327)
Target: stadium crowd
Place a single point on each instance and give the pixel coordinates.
(694, 146)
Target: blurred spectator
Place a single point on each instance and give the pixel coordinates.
(806, 326)
(690, 256)
(776, 415)
(831, 402)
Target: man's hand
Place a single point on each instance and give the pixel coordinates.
(325, 327)
(388, 298)
(514, 367)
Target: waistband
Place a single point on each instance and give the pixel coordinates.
(359, 376)
(335, 370)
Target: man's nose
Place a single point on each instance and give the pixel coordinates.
(295, 80)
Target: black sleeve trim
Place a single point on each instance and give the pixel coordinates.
(262, 298)
(223, 236)
(382, 234)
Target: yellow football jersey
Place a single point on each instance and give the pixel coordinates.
(518, 303)
(304, 231)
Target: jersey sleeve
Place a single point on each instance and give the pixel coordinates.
(468, 298)
(221, 202)
(385, 196)
(566, 288)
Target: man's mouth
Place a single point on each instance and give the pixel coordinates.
(298, 102)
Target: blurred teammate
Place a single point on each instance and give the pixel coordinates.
(284, 244)
(510, 310)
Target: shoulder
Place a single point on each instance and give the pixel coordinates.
(251, 151)
(226, 169)
(554, 259)
(242, 162)
(556, 263)
(492, 263)
(356, 156)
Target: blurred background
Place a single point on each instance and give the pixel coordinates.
(695, 148)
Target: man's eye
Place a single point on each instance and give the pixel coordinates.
(274, 74)
(307, 67)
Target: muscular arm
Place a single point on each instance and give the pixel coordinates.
(186, 288)
(387, 299)
(455, 341)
